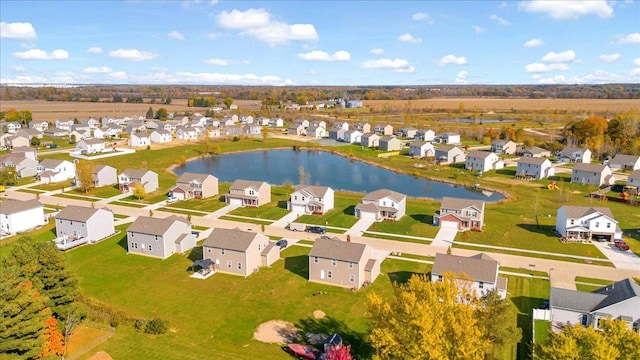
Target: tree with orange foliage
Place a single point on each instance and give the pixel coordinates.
(342, 352)
(53, 340)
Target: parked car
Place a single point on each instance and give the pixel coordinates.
(282, 243)
(316, 229)
(622, 246)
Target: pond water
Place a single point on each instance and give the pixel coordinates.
(323, 168)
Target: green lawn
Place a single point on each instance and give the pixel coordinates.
(181, 211)
(524, 271)
(103, 192)
(542, 331)
(588, 280)
(417, 221)
(122, 203)
(53, 186)
(209, 205)
(342, 214)
(45, 233)
(586, 287)
(274, 210)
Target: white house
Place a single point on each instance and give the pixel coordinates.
(634, 178)
(381, 205)
(421, 149)
(483, 161)
(626, 162)
(588, 223)
(18, 215)
(352, 136)
(130, 177)
(370, 140)
(76, 225)
(575, 155)
(186, 133)
(425, 135)
(311, 199)
(138, 139)
(592, 174)
(160, 136)
(503, 146)
(53, 170)
(448, 138)
(90, 146)
(535, 168)
(481, 270)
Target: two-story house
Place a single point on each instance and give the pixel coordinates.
(54, 170)
(483, 161)
(534, 151)
(587, 223)
(338, 129)
(425, 135)
(385, 130)
(22, 165)
(77, 225)
(370, 140)
(352, 136)
(408, 132)
(448, 139)
(389, 143)
(194, 186)
(316, 131)
(249, 193)
(381, 205)
(502, 146)
(625, 162)
(461, 214)
(139, 139)
(104, 175)
(592, 174)
(340, 263)
(296, 129)
(574, 155)
(534, 168)
(448, 154)
(421, 149)
(161, 136)
(90, 146)
(20, 215)
(480, 270)
(161, 238)
(307, 199)
(634, 178)
(128, 179)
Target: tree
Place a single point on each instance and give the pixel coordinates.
(342, 352)
(72, 139)
(139, 191)
(53, 339)
(8, 176)
(498, 326)
(23, 314)
(227, 102)
(149, 114)
(162, 114)
(265, 133)
(117, 98)
(427, 320)
(34, 141)
(84, 175)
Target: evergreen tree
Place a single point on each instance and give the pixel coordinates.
(150, 113)
(496, 317)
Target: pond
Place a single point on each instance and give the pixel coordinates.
(323, 168)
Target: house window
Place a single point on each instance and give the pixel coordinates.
(608, 225)
(330, 274)
(571, 222)
(239, 266)
(229, 264)
(597, 224)
(209, 250)
(350, 265)
(222, 251)
(315, 259)
(480, 285)
(439, 277)
(149, 247)
(333, 262)
(352, 278)
(156, 237)
(295, 197)
(158, 247)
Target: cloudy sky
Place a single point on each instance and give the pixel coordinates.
(320, 43)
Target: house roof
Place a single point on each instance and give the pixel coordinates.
(532, 160)
(135, 173)
(459, 203)
(368, 135)
(153, 226)
(339, 250)
(568, 151)
(580, 211)
(501, 142)
(597, 299)
(617, 292)
(446, 148)
(635, 174)
(93, 141)
(589, 167)
(535, 150)
(23, 149)
(314, 190)
(388, 138)
(77, 213)
(12, 206)
(243, 184)
(480, 267)
(189, 177)
(50, 163)
(99, 168)
(480, 154)
(232, 239)
(418, 143)
(382, 193)
(162, 132)
(624, 159)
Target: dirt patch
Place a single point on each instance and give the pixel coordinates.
(318, 314)
(101, 355)
(84, 336)
(276, 332)
(513, 182)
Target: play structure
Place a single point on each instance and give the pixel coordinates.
(552, 186)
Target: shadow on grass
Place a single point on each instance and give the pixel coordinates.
(402, 277)
(329, 325)
(123, 243)
(423, 218)
(350, 210)
(546, 230)
(195, 253)
(298, 265)
(525, 307)
(282, 204)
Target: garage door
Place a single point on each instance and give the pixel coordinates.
(368, 215)
(233, 201)
(298, 208)
(449, 224)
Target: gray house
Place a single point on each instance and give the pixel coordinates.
(634, 178)
(76, 225)
(370, 140)
(575, 155)
(130, 177)
(502, 146)
(592, 174)
(158, 237)
(620, 300)
(448, 154)
(248, 193)
(194, 186)
(346, 264)
(238, 252)
(104, 175)
(626, 162)
(481, 269)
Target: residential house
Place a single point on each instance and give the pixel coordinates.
(307, 199)
(253, 129)
(56, 132)
(625, 162)
(409, 132)
(130, 177)
(587, 223)
(238, 252)
(104, 175)
(425, 135)
(40, 125)
(249, 193)
(370, 140)
(461, 214)
(26, 151)
(337, 130)
(23, 166)
(92, 123)
(362, 127)
(80, 128)
(161, 136)
(54, 170)
(12, 126)
(184, 133)
(296, 129)
(138, 139)
(14, 141)
(618, 300)
(77, 135)
(534, 151)
(316, 131)
(388, 143)
(480, 271)
(211, 132)
(320, 123)
(230, 119)
(90, 146)
(592, 174)
(384, 129)
(304, 122)
(246, 119)
(161, 238)
(76, 225)
(231, 130)
(277, 122)
(263, 121)
(340, 263)
(352, 136)
(136, 127)
(381, 205)
(64, 124)
(421, 149)
(634, 178)
(448, 138)
(20, 215)
(483, 161)
(502, 146)
(448, 154)
(3, 137)
(534, 168)
(575, 155)
(194, 186)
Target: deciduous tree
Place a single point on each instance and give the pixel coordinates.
(497, 319)
(84, 175)
(342, 352)
(139, 192)
(162, 114)
(53, 339)
(227, 102)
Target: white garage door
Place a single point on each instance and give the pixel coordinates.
(368, 215)
(235, 202)
(298, 208)
(449, 224)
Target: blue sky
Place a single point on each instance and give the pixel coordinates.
(320, 43)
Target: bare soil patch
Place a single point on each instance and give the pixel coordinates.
(276, 332)
(101, 355)
(515, 182)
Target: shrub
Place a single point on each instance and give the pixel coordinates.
(156, 326)
(140, 324)
(236, 139)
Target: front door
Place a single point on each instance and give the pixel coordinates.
(321, 274)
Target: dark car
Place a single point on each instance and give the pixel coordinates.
(316, 229)
(282, 243)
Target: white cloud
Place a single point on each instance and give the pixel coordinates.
(596, 77)
(212, 36)
(37, 54)
(533, 43)
(408, 38)
(420, 16)
(376, 51)
(258, 23)
(17, 31)
(218, 62)
(635, 72)
(461, 78)
(568, 9)
(175, 35)
(397, 65)
(630, 39)
(636, 62)
(226, 79)
(95, 50)
(452, 60)
(542, 68)
(318, 55)
(118, 75)
(610, 58)
(499, 20)
(19, 68)
(478, 29)
(562, 57)
(132, 55)
(97, 70)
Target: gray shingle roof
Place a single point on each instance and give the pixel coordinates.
(617, 292)
(152, 226)
(314, 190)
(50, 163)
(189, 177)
(134, 173)
(458, 203)
(480, 267)
(232, 239)
(580, 211)
(76, 213)
(339, 250)
(624, 159)
(532, 160)
(12, 206)
(596, 300)
(480, 154)
(589, 167)
(243, 184)
(382, 193)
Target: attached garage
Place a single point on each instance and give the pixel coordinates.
(300, 209)
(368, 215)
(235, 201)
(449, 224)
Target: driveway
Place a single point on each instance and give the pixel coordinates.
(620, 259)
(445, 237)
(361, 226)
(221, 212)
(285, 220)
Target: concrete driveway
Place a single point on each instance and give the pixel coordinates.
(361, 226)
(620, 259)
(445, 237)
(221, 212)
(286, 220)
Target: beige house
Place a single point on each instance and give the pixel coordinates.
(461, 214)
(310, 199)
(249, 193)
(384, 129)
(448, 154)
(387, 143)
(592, 174)
(534, 168)
(502, 146)
(340, 263)
(481, 269)
(238, 252)
(194, 186)
(158, 237)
